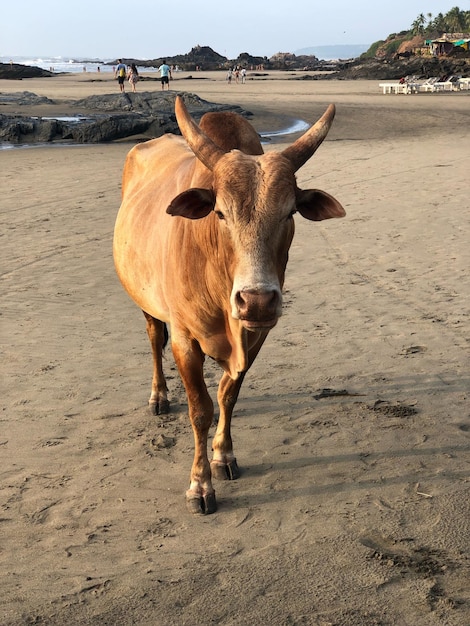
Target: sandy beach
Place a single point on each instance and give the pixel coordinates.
(352, 427)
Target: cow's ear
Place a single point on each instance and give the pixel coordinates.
(193, 204)
(317, 205)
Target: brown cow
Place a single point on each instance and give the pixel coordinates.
(201, 242)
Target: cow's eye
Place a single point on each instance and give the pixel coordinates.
(220, 215)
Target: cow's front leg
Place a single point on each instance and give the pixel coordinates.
(200, 496)
(158, 336)
(224, 464)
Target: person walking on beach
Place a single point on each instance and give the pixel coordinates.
(133, 76)
(165, 73)
(120, 74)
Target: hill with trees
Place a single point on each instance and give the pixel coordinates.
(432, 46)
(423, 28)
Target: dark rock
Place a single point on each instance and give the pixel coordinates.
(148, 102)
(16, 71)
(114, 117)
(200, 57)
(394, 69)
(24, 98)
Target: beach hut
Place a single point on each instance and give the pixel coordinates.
(447, 43)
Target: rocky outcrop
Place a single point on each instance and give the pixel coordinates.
(18, 129)
(394, 69)
(16, 71)
(111, 117)
(24, 98)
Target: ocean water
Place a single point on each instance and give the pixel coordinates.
(66, 64)
(297, 126)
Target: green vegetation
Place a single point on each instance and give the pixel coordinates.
(429, 27)
(370, 54)
(455, 21)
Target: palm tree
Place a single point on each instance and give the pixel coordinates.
(439, 24)
(418, 25)
(455, 21)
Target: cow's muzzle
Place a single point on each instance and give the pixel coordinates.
(258, 309)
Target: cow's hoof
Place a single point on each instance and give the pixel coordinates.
(201, 505)
(163, 407)
(225, 471)
(159, 408)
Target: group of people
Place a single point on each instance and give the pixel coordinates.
(237, 73)
(122, 72)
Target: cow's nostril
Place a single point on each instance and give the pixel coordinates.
(240, 300)
(255, 305)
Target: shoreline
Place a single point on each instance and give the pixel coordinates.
(274, 101)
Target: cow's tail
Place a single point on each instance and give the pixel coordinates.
(166, 335)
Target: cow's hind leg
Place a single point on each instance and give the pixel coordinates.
(158, 335)
(200, 497)
(224, 464)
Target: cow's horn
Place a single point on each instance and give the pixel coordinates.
(302, 149)
(202, 145)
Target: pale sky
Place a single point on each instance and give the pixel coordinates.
(148, 29)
